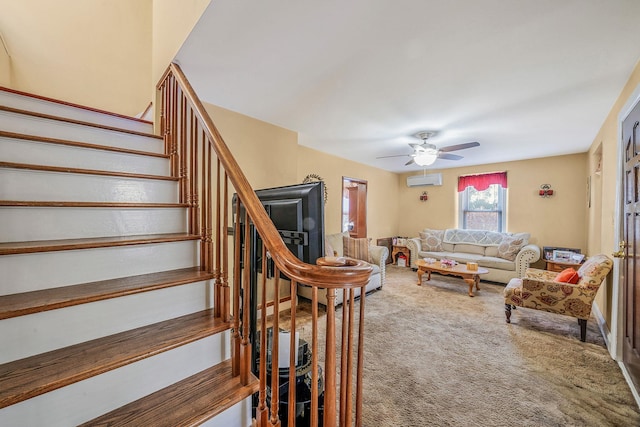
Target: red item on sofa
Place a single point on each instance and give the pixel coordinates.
(568, 275)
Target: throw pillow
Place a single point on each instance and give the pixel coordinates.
(356, 248)
(328, 249)
(431, 240)
(509, 248)
(568, 275)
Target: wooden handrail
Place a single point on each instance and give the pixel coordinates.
(324, 277)
(191, 142)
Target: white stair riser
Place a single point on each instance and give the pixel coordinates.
(85, 400)
(45, 154)
(29, 125)
(26, 336)
(30, 103)
(44, 270)
(21, 224)
(239, 415)
(26, 185)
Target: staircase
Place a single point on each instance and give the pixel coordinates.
(106, 315)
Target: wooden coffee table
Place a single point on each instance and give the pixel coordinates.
(471, 277)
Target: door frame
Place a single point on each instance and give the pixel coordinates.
(617, 320)
(359, 182)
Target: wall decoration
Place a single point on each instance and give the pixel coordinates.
(424, 196)
(545, 190)
(312, 177)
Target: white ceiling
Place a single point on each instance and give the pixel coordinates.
(357, 78)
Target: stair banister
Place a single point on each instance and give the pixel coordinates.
(191, 139)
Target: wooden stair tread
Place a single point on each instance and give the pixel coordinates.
(189, 402)
(71, 104)
(48, 140)
(60, 204)
(45, 168)
(50, 299)
(12, 248)
(77, 122)
(32, 376)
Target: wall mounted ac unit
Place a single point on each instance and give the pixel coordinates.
(429, 179)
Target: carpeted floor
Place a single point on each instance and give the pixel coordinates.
(436, 357)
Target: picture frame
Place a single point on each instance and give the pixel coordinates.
(547, 251)
(563, 256)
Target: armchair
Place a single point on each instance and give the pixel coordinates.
(538, 290)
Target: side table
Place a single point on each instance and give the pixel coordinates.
(400, 250)
(558, 266)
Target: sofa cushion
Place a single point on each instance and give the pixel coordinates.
(431, 240)
(491, 251)
(497, 263)
(328, 248)
(509, 247)
(335, 240)
(478, 237)
(356, 248)
(448, 247)
(469, 249)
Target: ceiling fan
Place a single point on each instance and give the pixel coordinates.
(425, 154)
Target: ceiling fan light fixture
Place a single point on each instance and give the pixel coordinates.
(426, 158)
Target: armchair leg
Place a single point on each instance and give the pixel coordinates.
(507, 312)
(583, 329)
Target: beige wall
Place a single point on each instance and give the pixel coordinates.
(103, 54)
(267, 154)
(5, 64)
(602, 215)
(95, 53)
(382, 208)
(172, 22)
(554, 221)
(270, 156)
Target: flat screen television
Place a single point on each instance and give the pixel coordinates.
(297, 212)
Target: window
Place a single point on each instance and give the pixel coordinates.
(482, 202)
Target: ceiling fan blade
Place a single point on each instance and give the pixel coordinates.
(448, 156)
(409, 162)
(459, 147)
(397, 155)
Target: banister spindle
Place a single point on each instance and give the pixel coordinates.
(275, 346)
(235, 363)
(245, 350)
(262, 412)
(330, 361)
(292, 354)
(225, 253)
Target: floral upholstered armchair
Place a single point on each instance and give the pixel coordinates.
(542, 290)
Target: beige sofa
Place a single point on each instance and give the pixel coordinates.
(505, 255)
(377, 258)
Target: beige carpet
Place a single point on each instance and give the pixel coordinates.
(436, 357)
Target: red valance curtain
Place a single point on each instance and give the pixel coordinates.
(482, 181)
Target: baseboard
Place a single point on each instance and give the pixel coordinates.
(604, 329)
(606, 334)
(627, 377)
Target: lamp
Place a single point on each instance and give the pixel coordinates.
(425, 158)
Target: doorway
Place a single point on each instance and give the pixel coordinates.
(354, 206)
